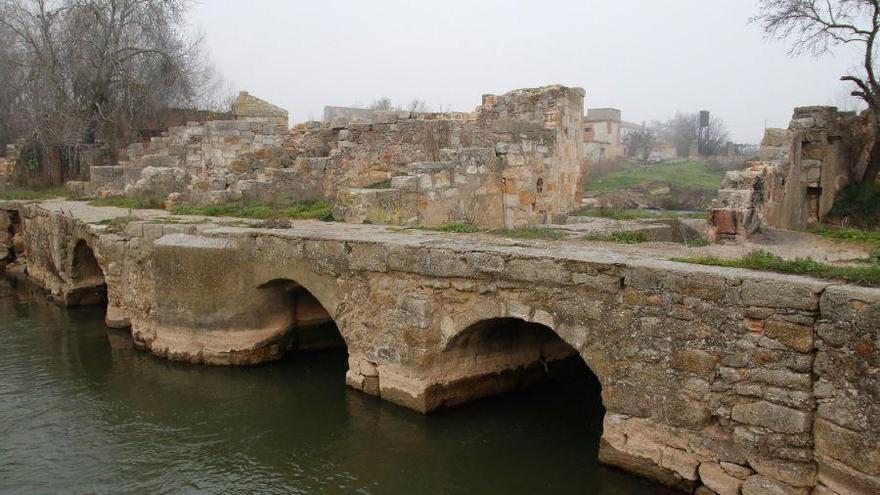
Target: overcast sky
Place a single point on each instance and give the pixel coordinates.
(650, 58)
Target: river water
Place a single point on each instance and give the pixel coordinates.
(82, 411)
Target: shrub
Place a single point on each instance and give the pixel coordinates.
(858, 204)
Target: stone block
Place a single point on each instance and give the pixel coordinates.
(798, 337)
(798, 474)
(772, 416)
(759, 485)
(778, 293)
(718, 480)
(681, 462)
(694, 361)
(724, 221)
(409, 183)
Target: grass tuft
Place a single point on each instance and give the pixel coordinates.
(620, 237)
(311, 210)
(853, 235)
(385, 184)
(531, 233)
(115, 221)
(866, 275)
(128, 203)
(35, 194)
(458, 228)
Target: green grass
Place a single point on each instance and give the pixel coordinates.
(866, 275)
(312, 210)
(115, 221)
(853, 235)
(687, 175)
(128, 203)
(385, 184)
(35, 194)
(458, 228)
(531, 233)
(620, 237)
(701, 241)
(634, 214)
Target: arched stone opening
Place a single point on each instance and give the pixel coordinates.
(305, 324)
(88, 286)
(500, 355)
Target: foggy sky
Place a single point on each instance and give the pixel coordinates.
(650, 58)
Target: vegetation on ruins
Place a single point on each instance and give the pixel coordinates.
(384, 184)
(857, 205)
(620, 237)
(865, 274)
(817, 26)
(531, 233)
(458, 228)
(308, 210)
(35, 194)
(128, 203)
(85, 72)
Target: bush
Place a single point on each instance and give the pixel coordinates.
(859, 205)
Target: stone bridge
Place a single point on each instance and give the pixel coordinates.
(712, 379)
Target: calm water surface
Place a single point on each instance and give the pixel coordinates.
(81, 411)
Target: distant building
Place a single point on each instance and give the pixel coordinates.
(604, 133)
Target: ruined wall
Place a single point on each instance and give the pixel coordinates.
(198, 162)
(793, 183)
(517, 161)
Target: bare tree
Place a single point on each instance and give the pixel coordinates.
(383, 103)
(417, 105)
(640, 142)
(683, 132)
(815, 27)
(92, 71)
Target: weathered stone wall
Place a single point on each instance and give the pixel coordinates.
(199, 162)
(745, 382)
(518, 160)
(799, 171)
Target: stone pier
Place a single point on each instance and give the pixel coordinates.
(732, 380)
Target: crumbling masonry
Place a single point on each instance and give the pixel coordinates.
(799, 171)
(517, 160)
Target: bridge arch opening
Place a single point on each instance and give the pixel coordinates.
(89, 286)
(302, 321)
(500, 355)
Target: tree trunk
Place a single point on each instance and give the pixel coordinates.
(873, 168)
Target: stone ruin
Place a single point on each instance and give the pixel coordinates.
(796, 177)
(516, 160)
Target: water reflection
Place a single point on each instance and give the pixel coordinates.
(78, 401)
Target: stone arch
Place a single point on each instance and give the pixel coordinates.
(87, 282)
(503, 352)
(304, 322)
